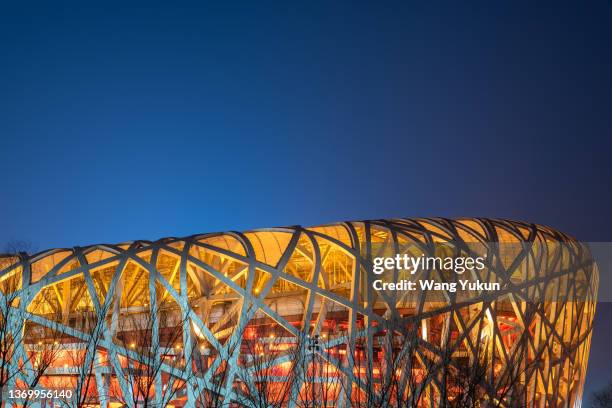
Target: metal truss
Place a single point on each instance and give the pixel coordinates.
(223, 290)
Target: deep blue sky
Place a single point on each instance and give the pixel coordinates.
(123, 123)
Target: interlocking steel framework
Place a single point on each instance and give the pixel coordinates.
(295, 283)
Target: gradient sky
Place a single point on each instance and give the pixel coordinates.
(125, 123)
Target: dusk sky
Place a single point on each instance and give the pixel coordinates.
(161, 120)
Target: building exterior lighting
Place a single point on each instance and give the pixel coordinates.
(216, 272)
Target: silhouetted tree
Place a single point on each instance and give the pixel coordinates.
(211, 374)
(267, 370)
(22, 364)
(391, 378)
(151, 343)
(84, 358)
(601, 398)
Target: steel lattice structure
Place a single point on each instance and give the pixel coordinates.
(301, 286)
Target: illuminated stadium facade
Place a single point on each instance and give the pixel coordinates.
(288, 317)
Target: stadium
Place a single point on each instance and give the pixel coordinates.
(288, 317)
